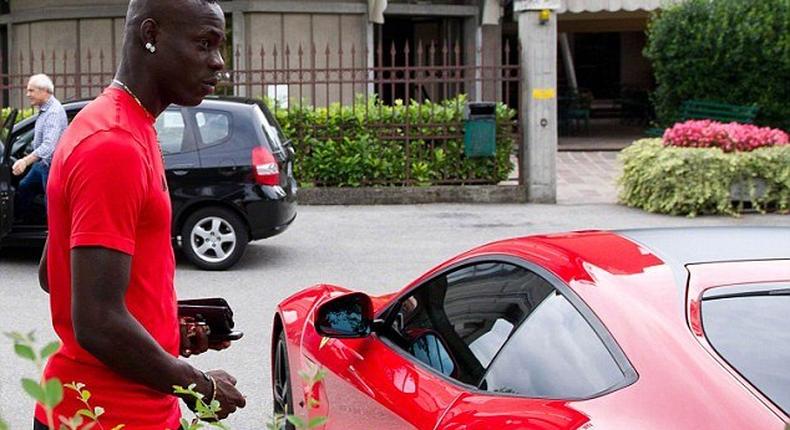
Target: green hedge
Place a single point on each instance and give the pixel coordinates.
(22, 114)
(733, 51)
(365, 144)
(695, 181)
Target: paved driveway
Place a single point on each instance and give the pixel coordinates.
(587, 177)
(373, 249)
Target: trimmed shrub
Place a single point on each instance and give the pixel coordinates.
(694, 181)
(732, 51)
(364, 144)
(729, 137)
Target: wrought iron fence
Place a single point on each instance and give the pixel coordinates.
(408, 95)
(75, 74)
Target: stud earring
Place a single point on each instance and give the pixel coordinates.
(150, 47)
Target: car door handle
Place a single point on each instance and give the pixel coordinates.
(181, 169)
(228, 171)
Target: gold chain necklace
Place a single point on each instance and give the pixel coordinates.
(129, 91)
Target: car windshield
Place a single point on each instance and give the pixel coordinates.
(747, 326)
(271, 130)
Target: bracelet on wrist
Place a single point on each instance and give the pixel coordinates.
(213, 382)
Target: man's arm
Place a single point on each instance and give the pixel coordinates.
(104, 327)
(51, 130)
(43, 281)
(22, 164)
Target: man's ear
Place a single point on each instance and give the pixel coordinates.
(149, 31)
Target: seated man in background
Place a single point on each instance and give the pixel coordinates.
(50, 125)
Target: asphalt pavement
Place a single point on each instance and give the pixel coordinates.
(375, 249)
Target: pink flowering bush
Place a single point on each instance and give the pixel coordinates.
(729, 137)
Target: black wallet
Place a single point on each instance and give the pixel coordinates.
(216, 313)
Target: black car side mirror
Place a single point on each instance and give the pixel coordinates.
(346, 316)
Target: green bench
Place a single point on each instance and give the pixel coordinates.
(717, 111)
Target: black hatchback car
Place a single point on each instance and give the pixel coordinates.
(229, 172)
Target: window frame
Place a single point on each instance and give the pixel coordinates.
(630, 374)
(192, 118)
(735, 291)
(189, 144)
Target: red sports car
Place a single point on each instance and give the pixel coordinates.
(643, 329)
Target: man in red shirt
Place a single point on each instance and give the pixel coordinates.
(109, 261)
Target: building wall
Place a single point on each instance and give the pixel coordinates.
(85, 45)
(24, 5)
(69, 27)
(268, 34)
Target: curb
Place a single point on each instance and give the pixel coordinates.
(413, 195)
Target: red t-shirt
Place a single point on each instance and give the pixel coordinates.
(107, 188)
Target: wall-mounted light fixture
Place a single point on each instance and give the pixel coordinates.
(544, 16)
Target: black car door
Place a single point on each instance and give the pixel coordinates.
(6, 190)
(179, 152)
(225, 148)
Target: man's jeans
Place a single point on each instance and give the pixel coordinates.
(33, 184)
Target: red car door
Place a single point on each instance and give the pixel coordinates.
(433, 350)
(370, 385)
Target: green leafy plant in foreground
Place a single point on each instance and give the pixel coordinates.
(49, 393)
(203, 412)
(312, 377)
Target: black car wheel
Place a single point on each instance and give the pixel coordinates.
(281, 384)
(214, 238)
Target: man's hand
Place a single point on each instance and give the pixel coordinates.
(226, 394)
(19, 167)
(194, 338)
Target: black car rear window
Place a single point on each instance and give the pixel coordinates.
(270, 129)
(748, 327)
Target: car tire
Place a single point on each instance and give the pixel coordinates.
(282, 394)
(214, 238)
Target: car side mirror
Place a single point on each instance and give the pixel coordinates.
(346, 316)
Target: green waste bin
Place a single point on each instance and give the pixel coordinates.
(480, 129)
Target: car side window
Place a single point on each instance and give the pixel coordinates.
(741, 320)
(213, 126)
(554, 354)
(458, 322)
(170, 129)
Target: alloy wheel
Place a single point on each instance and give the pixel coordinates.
(283, 403)
(213, 239)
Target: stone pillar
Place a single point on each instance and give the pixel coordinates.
(370, 61)
(539, 98)
(239, 45)
(471, 51)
